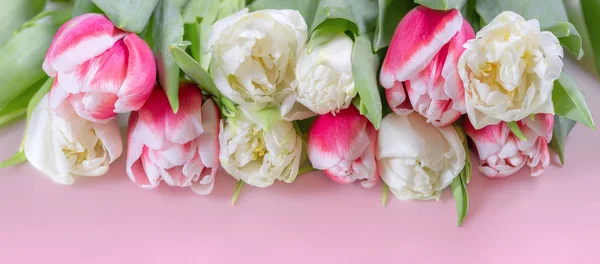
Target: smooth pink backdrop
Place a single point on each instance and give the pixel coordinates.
(551, 219)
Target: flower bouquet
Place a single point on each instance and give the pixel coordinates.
(392, 91)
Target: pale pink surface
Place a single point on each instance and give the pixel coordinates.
(521, 219)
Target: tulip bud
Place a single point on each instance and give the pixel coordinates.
(325, 81)
(181, 149)
(343, 146)
(100, 70)
(502, 154)
(423, 55)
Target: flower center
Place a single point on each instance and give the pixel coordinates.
(260, 150)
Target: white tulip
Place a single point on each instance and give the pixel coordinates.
(418, 160)
(325, 82)
(509, 70)
(258, 150)
(254, 56)
(63, 147)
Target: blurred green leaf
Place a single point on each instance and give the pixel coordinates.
(22, 55)
(591, 16)
(129, 15)
(81, 7)
(516, 130)
(364, 69)
(470, 14)
(569, 101)
(568, 36)
(167, 29)
(562, 128)
(229, 7)
(390, 14)
(441, 4)
(17, 108)
(548, 12)
(15, 159)
(361, 14)
(16, 12)
(306, 8)
(326, 32)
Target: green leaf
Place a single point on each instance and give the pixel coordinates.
(384, 196)
(236, 193)
(81, 7)
(229, 7)
(547, 12)
(361, 14)
(16, 12)
(326, 31)
(591, 11)
(129, 15)
(17, 108)
(459, 191)
(514, 127)
(470, 14)
(22, 55)
(364, 69)
(265, 117)
(390, 14)
(198, 16)
(193, 69)
(306, 8)
(562, 128)
(168, 30)
(18, 158)
(568, 37)
(441, 4)
(569, 101)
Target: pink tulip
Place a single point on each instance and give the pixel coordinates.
(99, 69)
(421, 62)
(181, 149)
(343, 146)
(502, 153)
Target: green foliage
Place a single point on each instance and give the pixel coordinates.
(129, 15)
(562, 128)
(16, 12)
(441, 4)
(569, 101)
(390, 14)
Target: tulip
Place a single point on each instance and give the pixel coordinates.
(509, 70)
(416, 159)
(421, 63)
(254, 55)
(181, 149)
(502, 154)
(100, 70)
(64, 147)
(343, 146)
(259, 147)
(325, 81)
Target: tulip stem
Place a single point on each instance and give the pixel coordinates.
(385, 194)
(236, 193)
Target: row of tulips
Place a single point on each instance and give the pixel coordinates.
(269, 72)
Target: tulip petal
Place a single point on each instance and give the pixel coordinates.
(104, 73)
(489, 140)
(186, 124)
(333, 139)
(396, 97)
(79, 40)
(418, 37)
(133, 167)
(96, 107)
(110, 136)
(141, 75)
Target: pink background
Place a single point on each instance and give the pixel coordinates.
(551, 219)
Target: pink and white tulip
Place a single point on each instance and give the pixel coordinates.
(502, 154)
(343, 146)
(421, 64)
(100, 70)
(181, 149)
